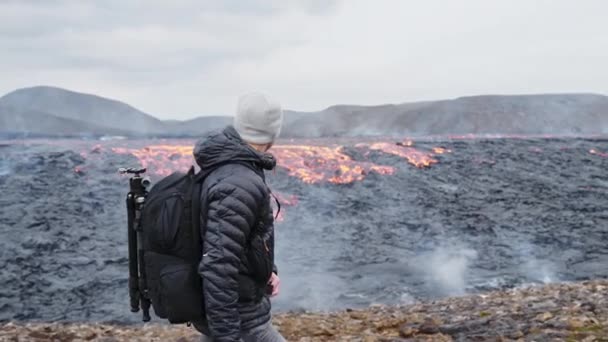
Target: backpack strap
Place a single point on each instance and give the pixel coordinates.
(199, 205)
(196, 217)
(277, 202)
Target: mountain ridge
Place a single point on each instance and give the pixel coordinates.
(44, 109)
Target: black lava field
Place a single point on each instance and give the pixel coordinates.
(487, 214)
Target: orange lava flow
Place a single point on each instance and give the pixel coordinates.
(162, 159)
(441, 150)
(413, 156)
(310, 164)
(314, 164)
(407, 143)
(598, 153)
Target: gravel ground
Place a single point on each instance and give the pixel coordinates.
(557, 312)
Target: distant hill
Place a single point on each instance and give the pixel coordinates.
(91, 109)
(486, 114)
(35, 123)
(56, 111)
(198, 125)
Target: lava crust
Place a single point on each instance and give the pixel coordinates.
(378, 222)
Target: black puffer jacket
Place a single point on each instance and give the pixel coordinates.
(238, 248)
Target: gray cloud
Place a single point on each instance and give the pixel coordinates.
(187, 57)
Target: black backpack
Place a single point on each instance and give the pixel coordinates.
(171, 243)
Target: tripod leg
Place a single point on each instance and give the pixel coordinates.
(134, 293)
(145, 300)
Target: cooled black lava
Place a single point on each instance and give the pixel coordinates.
(491, 214)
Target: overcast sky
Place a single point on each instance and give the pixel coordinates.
(183, 58)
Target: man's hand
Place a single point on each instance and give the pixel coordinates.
(274, 282)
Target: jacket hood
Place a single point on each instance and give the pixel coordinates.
(225, 146)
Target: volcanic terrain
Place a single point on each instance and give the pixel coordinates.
(377, 221)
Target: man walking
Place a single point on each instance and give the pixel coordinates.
(237, 266)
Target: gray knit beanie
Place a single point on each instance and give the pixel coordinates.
(258, 119)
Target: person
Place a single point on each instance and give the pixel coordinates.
(237, 267)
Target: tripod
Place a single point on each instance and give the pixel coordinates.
(138, 289)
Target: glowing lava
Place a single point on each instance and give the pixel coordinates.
(162, 159)
(407, 143)
(413, 156)
(441, 150)
(598, 153)
(79, 170)
(310, 164)
(314, 164)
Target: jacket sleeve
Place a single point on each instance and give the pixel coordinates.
(232, 210)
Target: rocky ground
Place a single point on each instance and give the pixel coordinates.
(558, 312)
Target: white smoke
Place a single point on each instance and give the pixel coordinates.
(5, 168)
(406, 298)
(447, 268)
(535, 269)
(540, 271)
